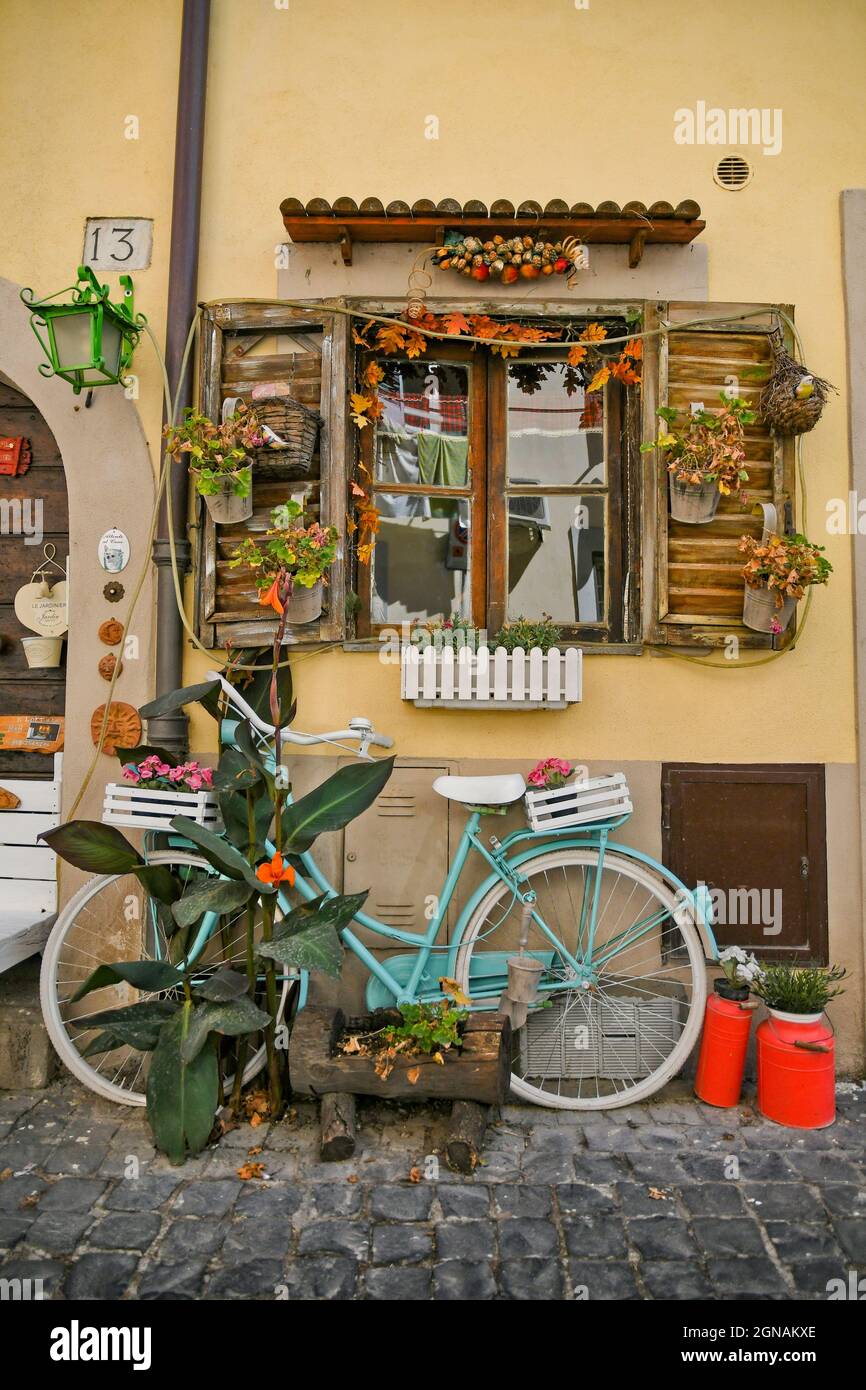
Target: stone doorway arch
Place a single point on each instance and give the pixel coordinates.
(110, 482)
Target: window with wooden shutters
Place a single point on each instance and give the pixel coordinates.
(242, 346)
(697, 581)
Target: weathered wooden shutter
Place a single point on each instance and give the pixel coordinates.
(698, 584)
(237, 351)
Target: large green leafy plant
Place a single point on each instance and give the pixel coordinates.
(186, 1009)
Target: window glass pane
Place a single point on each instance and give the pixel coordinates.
(555, 430)
(422, 435)
(421, 564)
(556, 558)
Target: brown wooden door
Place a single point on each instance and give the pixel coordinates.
(756, 835)
(22, 690)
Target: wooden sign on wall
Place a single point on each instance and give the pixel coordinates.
(32, 733)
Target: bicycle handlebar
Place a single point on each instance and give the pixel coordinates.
(360, 729)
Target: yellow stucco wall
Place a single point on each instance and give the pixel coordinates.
(330, 97)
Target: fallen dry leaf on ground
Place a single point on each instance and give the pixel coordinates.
(248, 1171)
(414, 1174)
(412, 1075)
(657, 1194)
(7, 1173)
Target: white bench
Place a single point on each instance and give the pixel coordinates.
(28, 868)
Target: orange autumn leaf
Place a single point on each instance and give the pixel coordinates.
(416, 343)
(593, 333)
(357, 491)
(484, 327)
(576, 354)
(359, 403)
(364, 553)
(351, 525)
(601, 376)
(391, 338)
(455, 323)
(452, 991)
(415, 1174)
(248, 1171)
(634, 349)
(373, 374)
(375, 411)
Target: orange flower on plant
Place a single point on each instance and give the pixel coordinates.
(270, 597)
(276, 872)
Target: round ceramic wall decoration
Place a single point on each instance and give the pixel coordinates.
(113, 551)
(123, 729)
(110, 632)
(42, 607)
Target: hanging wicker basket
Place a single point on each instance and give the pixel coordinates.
(780, 407)
(297, 426)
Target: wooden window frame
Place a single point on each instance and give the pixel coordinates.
(489, 491)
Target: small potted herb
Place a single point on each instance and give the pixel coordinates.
(290, 567)
(798, 993)
(704, 459)
(219, 460)
(542, 633)
(741, 970)
(778, 571)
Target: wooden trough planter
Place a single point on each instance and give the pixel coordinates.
(475, 1077)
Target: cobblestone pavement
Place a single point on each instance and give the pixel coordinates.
(670, 1200)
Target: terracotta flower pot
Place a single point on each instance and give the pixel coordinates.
(225, 506)
(760, 611)
(695, 504)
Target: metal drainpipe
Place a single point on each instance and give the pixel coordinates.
(170, 730)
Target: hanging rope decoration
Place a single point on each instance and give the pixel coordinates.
(420, 281)
(509, 258)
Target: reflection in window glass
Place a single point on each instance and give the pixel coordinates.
(555, 430)
(422, 434)
(420, 567)
(556, 558)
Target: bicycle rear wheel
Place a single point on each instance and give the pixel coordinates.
(113, 918)
(617, 1031)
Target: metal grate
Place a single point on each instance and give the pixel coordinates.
(733, 172)
(615, 1038)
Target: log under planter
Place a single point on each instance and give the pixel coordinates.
(479, 1071)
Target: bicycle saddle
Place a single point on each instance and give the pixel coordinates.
(482, 791)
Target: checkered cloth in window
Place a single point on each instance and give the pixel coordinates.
(450, 416)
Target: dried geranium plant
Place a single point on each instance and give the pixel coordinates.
(709, 448)
(217, 451)
(786, 565)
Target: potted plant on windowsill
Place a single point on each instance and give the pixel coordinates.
(704, 459)
(290, 566)
(778, 571)
(451, 664)
(219, 460)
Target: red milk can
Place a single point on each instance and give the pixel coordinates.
(797, 1070)
(727, 1024)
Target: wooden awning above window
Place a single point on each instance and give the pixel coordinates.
(633, 225)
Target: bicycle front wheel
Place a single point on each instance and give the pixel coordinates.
(113, 918)
(614, 1031)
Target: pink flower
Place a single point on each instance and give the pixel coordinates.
(551, 772)
(131, 773)
(195, 781)
(207, 776)
(177, 774)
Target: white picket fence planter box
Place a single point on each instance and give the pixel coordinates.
(595, 799)
(464, 679)
(126, 804)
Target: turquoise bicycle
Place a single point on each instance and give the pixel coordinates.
(617, 941)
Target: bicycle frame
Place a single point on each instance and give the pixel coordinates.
(503, 869)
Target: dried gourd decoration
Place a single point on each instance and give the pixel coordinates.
(793, 399)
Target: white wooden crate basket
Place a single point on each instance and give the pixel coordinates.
(491, 679)
(126, 804)
(595, 799)
(614, 1038)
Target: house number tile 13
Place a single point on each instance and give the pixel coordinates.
(118, 243)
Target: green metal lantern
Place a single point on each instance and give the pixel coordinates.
(87, 340)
